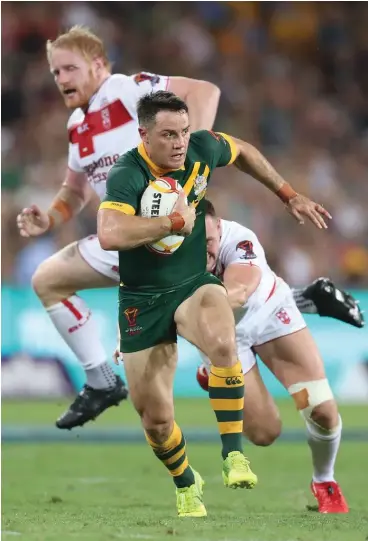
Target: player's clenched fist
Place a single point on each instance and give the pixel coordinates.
(300, 206)
(187, 213)
(32, 222)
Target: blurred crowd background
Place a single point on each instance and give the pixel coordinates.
(294, 82)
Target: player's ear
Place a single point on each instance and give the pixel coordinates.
(98, 62)
(143, 133)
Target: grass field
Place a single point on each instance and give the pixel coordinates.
(98, 492)
(194, 412)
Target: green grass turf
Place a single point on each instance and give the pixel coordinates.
(189, 413)
(100, 492)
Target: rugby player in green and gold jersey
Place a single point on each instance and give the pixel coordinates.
(161, 297)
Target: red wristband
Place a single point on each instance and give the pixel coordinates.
(286, 192)
(177, 222)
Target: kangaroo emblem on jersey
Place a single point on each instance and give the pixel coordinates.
(200, 186)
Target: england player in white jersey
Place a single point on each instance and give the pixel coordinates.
(269, 324)
(102, 127)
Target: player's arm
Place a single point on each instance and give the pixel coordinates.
(221, 150)
(202, 98)
(249, 160)
(73, 195)
(241, 280)
(119, 228)
(119, 231)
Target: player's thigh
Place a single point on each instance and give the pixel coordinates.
(205, 319)
(150, 376)
(286, 346)
(80, 265)
(293, 358)
(261, 421)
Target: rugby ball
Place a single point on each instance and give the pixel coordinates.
(159, 199)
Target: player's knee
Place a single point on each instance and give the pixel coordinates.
(41, 280)
(158, 427)
(221, 348)
(50, 283)
(316, 403)
(265, 434)
(326, 415)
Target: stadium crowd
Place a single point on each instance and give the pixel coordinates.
(294, 81)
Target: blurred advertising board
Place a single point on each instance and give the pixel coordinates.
(37, 363)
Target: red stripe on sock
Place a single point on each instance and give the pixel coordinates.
(70, 306)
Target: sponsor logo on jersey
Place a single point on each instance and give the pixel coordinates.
(105, 161)
(131, 314)
(155, 210)
(141, 77)
(247, 247)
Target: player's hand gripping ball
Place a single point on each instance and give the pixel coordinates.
(159, 199)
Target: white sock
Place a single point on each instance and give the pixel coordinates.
(324, 446)
(74, 322)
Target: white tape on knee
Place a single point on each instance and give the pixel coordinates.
(310, 394)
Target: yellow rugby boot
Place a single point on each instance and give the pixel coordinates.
(236, 471)
(189, 500)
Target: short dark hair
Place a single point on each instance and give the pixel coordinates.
(150, 104)
(209, 209)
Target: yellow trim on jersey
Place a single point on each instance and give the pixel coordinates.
(121, 207)
(233, 148)
(154, 169)
(190, 182)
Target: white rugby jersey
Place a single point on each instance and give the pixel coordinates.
(109, 128)
(240, 245)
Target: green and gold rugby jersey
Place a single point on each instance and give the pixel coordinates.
(127, 180)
